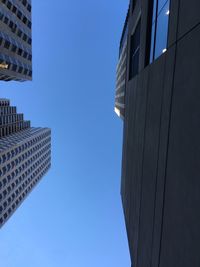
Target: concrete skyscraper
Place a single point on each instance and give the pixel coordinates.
(15, 40)
(25, 156)
(158, 96)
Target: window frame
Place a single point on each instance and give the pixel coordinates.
(150, 58)
(137, 23)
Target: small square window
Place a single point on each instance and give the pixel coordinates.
(29, 24)
(24, 37)
(20, 69)
(19, 33)
(1, 16)
(29, 41)
(19, 14)
(6, 20)
(9, 5)
(14, 67)
(29, 7)
(14, 9)
(7, 44)
(14, 48)
(19, 51)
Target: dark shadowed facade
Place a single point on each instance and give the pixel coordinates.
(25, 156)
(15, 40)
(158, 97)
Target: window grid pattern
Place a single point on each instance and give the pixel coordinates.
(4, 102)
(17, 138)
(25, 156)
(15, 65)
(15, 8)
(15, 40)
(10, 43)
(10, 120)
(26, 4)
(15, 27)
(24, 169)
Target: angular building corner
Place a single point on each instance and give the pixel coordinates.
(25, 157)
(15, 40)
(121, 72)
(158, 96)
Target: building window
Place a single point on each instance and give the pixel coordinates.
(123, 40)
(159, 28)
(29, 8)
(124, 34)
(7, 44)
(135, 52)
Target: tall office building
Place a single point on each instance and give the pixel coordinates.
(25, 156)
(15, 40)
(158, 96)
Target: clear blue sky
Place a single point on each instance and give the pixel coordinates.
(74, 217)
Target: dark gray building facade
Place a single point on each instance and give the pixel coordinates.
(25, 156)
(15, 40)
(159, 100)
